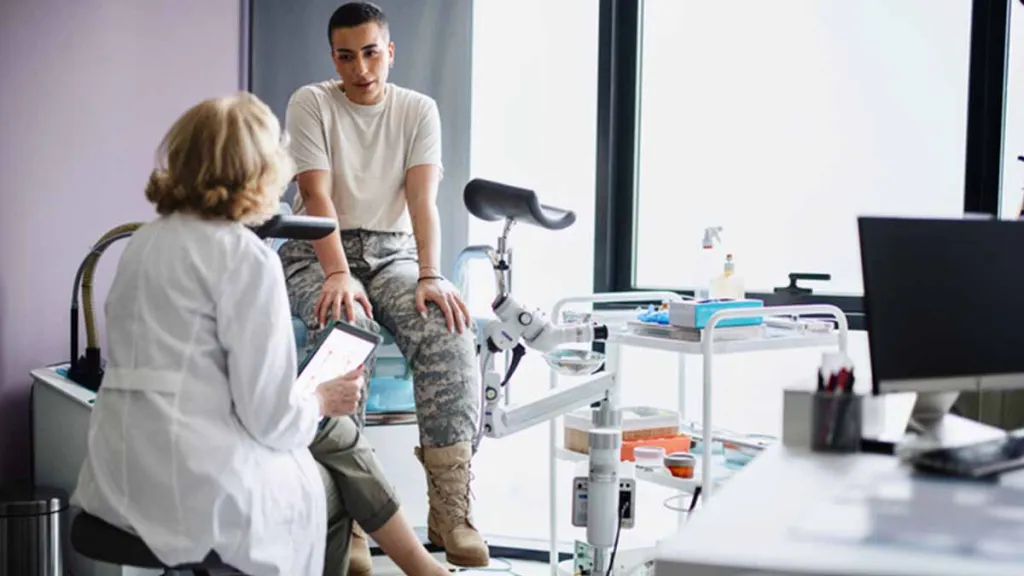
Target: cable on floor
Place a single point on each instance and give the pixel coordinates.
(689, 509)
(506, 569)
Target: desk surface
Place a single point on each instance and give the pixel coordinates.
(793, 512)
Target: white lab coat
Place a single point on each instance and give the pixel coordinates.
(198, 441)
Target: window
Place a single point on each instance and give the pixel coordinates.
(781, 122)
(534, 98)
(1013, 169)
(784, 121)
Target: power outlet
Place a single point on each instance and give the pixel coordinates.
(627, 501)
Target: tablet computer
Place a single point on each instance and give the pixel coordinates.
(341, 349)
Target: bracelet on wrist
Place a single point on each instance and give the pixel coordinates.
(433, 277)
(335, 273)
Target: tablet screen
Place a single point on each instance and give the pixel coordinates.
(340, 353)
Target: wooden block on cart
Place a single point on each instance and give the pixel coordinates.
(638, 423)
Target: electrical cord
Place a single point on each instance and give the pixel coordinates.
(693, 502)
(618, 531)
(670, 503)
(506, 569)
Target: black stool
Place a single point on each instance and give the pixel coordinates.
(98, 540)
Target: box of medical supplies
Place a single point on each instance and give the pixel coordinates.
(638, 423)
(697, 313)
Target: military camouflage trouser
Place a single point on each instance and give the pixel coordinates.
(444, 365)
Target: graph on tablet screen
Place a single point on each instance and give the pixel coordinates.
(340, 353)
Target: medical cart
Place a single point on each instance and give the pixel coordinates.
(706, 477)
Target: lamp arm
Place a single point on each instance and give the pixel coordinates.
(92, 259)
(87, 265)
(500, 420)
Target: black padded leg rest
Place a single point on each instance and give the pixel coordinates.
(98, 540)
(492, 201)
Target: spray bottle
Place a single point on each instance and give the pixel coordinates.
(709, 261)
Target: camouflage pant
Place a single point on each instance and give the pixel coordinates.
(444, 365)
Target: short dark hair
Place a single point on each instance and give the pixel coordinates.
(353, 14)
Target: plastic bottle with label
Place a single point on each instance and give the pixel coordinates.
(708, 262)
(728, 284)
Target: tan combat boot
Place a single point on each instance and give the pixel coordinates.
(360, 563)
(449, 524)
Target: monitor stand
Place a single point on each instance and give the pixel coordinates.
(930, 410)
(934, 427)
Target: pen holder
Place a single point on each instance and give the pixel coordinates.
(835, 422)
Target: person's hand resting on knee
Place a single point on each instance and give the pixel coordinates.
(441, 292)
(341, 292)
(340, 396)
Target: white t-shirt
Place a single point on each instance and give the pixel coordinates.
(367, 149)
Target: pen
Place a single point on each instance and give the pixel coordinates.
(842, 379)
(837, 382)
(835, 379)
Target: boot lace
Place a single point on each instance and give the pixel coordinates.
(453, 494)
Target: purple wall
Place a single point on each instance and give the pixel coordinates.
(87, 89)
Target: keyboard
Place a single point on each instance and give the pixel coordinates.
(984, 459)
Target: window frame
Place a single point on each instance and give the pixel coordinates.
(620, 72)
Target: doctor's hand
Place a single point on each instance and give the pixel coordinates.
(340, 396)
(341, 292)
(441, 292)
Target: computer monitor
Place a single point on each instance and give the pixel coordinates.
(944, 303)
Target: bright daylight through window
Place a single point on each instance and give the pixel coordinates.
(534, 98)
(784, 121)
(1012, 200)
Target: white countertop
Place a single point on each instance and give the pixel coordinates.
(791, 511)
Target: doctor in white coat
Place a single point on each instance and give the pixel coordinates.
(199, 440)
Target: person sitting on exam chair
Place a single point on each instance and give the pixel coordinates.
(199, 441)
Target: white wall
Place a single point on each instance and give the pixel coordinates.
(89, 88)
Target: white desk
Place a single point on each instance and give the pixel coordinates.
(758, 524)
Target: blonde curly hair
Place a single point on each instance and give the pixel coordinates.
(222, 159)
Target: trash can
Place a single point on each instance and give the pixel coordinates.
(31, 533)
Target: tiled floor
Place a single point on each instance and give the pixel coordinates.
(382, 566)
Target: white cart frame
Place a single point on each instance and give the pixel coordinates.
(707, 348)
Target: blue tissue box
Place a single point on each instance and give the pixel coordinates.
(696, 313)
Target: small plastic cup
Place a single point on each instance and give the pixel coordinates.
(649, 457)
(680, 464)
